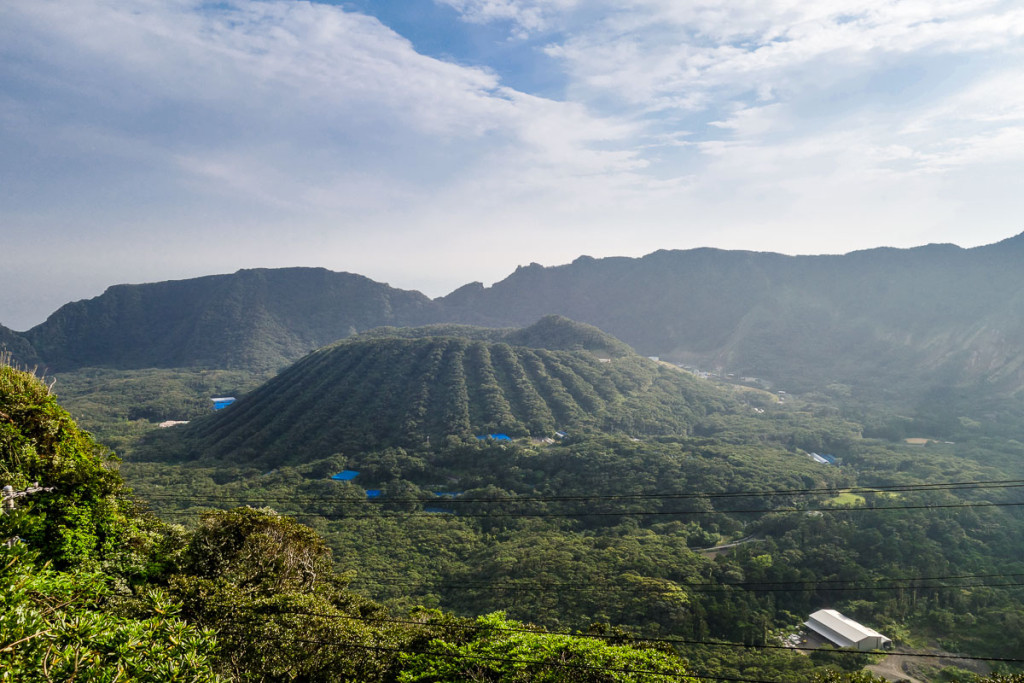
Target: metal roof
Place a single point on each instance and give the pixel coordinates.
(841, 626)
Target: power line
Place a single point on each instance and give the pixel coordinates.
(513, 660)
(896, 488)
(949, 577)
(665, 641)
(619, 513)
(514, 587)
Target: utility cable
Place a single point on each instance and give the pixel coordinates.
(640, 639)
(832, 490)
(722, 588)
(619, 513)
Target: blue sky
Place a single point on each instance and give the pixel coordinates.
(430, 143)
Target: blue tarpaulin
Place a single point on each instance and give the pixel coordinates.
(222, 402)
(373, 493)
(496, 437)
(345, 475)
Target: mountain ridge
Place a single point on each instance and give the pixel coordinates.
(930, 316)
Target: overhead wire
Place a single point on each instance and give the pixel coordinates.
(460, 500)
(516, 660)
(697, 587)
(636, 639)
(516, 587)
(387, 514)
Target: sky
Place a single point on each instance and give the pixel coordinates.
(432, 143)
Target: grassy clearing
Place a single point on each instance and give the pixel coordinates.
(846, 499)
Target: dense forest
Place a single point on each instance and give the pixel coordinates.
(923, 543)
(95, 588)
(553, 489)
(451, 503)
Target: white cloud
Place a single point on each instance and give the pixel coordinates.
(659, 53)
(526, 16)
(263, 98)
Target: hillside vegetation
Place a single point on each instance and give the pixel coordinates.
(672, 509)
(93, 589)
(426, 386)
(897, 321)
(254, 320)
(524, 503)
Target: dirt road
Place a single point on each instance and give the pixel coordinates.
(904, 667)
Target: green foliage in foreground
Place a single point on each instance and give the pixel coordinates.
(61, 626)
(506, 651)
(85, 519)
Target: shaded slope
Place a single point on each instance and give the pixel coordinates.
(17, 346)
(253, 319)
(936, 315)
(894, 322)
(552, 332)
(405, 391)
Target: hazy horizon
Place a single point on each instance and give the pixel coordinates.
(430, 293)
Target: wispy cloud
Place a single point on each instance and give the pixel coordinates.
(255, 96)
(524, 16)
(660, 53)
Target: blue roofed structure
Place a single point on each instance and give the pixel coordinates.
(221, 402)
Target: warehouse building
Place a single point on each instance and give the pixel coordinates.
(842, 631)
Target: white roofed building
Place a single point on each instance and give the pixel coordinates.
(842, 631)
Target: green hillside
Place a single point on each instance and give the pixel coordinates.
(436, 384)
(253, 320)
(671, 511)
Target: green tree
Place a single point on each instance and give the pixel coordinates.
(59, 626)
(505, 651)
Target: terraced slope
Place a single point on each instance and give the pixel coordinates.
(409, 390)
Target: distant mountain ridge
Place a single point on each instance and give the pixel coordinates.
(938, 313)
(887, 319)
(253, 319)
